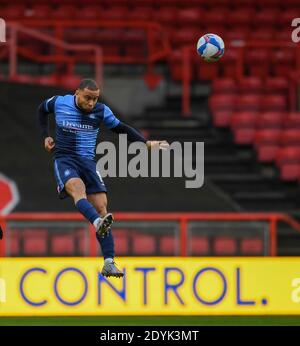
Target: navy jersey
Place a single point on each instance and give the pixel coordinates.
(76, 131)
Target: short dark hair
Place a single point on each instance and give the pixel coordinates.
(89, 84)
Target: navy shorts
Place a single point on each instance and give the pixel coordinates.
(69, 167)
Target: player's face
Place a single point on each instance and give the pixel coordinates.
(87, 99)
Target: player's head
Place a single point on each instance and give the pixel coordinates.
(87, 94)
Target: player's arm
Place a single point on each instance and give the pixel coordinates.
(119, 127)
(135, 136)
(44, 109)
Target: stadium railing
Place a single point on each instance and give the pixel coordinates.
(14, 51)
(157, 43)
(185, 227)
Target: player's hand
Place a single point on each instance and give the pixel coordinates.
(164, 145)
(49, 143)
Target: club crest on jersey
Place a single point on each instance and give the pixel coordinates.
(67, 172)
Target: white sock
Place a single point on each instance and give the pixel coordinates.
(95, 223)
(108, 260)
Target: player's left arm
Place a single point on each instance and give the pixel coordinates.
(120, 127)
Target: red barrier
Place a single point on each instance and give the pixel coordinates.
(182, 218)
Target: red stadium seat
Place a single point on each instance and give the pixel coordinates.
(222, 102)
(206, 71)
(289, 154)
(114, 13)
(80, 35)
(224, 86)
(142, 3)
(267, 143)
(243, 127)
(289, 171)
(141, 13)
(274, 103)
(115, 3)
(121, 238)
(167, 15)
(270, 120)
(185, 36)
(249, 102)
(42, 11)
(262, 34)
(65, 12)
(267, 152)
(13, 244)
(89, 12)
(63, 244)
(199, 246)
(268, 3)
(267, 17)
(144, 245)
(243, 119)
(224, 246)
(276, 85)
(258, 61)
(229, 63)
(13, 12)
(251, 85)
(237, 35)
(242, 17)
(283, 61)
(252, 246)
(221, 118)
(83, 242)
(168, 245)
(286, 17)
(284, 34)
(267, 136)
(70, 82)
(220, 3)
(35, 242)
(214, 17)
(135, 43)
(190, 17)
(290, 137)
(171, 3)
(292, 120)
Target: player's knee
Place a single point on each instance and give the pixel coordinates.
(75, 188)
(101, 209)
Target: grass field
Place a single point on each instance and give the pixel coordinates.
(153, 321)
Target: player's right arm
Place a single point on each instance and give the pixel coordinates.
(44, 109)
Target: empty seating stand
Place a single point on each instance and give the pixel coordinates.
(199, 246)
(63, 244)
(35, 242)
(168, 245)
(184, 22)
(225, 246)
(144, 244)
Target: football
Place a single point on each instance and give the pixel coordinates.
(210, 47)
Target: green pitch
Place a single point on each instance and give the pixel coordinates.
(153, 321)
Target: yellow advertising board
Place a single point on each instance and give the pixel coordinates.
(151, 286)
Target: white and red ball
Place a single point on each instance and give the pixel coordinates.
(210, 47)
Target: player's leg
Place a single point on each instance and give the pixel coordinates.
(76, 189)
(69, 183)
(99, 201)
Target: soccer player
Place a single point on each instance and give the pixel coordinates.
(77, 119)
